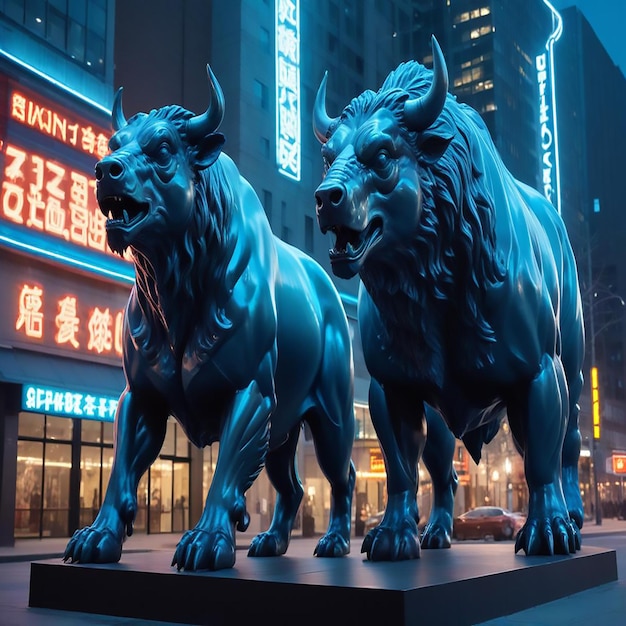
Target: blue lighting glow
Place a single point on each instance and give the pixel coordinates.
(551, 175)
(54, 82)
(107, 268)
(68, 403)
(287, 35)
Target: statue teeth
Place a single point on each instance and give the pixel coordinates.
(126, 217)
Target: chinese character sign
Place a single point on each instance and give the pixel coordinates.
(72, 320)
(288, 88)
(46, 196)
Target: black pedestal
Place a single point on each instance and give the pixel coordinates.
(467, 584)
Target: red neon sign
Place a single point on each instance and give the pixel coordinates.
(47, 196)
(77, 327)
(53, 121)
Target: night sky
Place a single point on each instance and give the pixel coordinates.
(608, 20)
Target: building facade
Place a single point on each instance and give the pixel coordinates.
(64, 292)
(592, 120)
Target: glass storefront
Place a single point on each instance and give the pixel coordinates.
(63, 468)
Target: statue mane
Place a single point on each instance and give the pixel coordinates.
(192, 274)
(454, 257)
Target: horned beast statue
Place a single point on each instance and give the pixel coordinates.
(469, 306)
(238, 335)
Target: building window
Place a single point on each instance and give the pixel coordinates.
(264, 38)
(265, 147)
(267, 203)
(76, 27)
(308, 233)
(261, 94)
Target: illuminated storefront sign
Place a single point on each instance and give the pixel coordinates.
(288, 149)
(65, 314)
(68, 403)
(548, 130)
(619, 463)
(377, 461)
(48, 205)
(101, 327)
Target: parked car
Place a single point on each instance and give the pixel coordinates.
(487, 521)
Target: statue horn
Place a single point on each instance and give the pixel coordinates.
(117, 114)
(321, 121)
(207, 123)
(420, 113)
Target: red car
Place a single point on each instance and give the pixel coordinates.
(487, 521)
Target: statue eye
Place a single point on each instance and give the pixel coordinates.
(383, 164)
(163, 154)
(382, 160)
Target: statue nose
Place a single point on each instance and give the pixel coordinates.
(109, 167)
(327, 200)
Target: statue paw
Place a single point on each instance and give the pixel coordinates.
(397, 543)
(436, 536)
(200, 549)
(94, 545)
(268, 544)
(548, 536)
(332, 544)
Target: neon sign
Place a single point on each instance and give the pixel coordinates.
(103, 327)
(46, 196)
(48, 207)
(65, 314)
(548, 129)
(62, 127)
(288, 148)
(68, 403)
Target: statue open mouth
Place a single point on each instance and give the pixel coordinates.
(351, 245)
(123, 211)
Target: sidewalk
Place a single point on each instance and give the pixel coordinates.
(40, 549)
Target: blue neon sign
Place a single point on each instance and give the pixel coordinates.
(287, 35)
(549, 141)
(68, 403)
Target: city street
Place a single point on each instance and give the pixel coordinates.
(605, 604)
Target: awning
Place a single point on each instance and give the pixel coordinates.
(24, 367)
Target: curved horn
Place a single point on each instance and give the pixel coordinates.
(203, 125)
(420, 113)
(321, 121)
(117, 114)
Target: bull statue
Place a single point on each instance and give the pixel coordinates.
(238, 335)
(469, 307)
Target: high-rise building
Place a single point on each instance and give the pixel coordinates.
(591, 105)
(63, 292)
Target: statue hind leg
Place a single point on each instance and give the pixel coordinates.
(571, 454)
(331, 420)
(538, 420)
(281, 470)
(333, 447)
(438, 458)
(140, 432)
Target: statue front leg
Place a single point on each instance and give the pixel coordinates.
(140, 432)
(438, 459)
(243, 447)
(398, 417)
